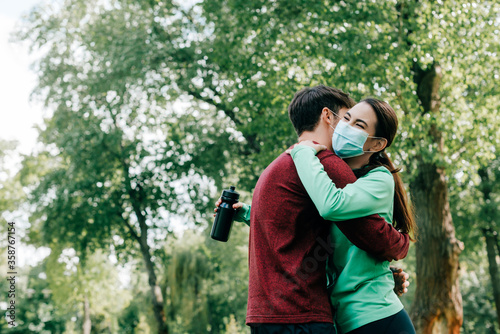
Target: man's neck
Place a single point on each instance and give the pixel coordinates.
(318, 136)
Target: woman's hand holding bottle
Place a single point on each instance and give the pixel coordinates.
(236, 206)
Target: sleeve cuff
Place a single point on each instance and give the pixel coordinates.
(241, 214)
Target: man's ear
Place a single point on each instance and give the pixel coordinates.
(327, 116)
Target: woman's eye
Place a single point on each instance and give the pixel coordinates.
(346, 118)
(360, 125)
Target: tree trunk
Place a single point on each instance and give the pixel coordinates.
(156, 293)
(87, 323)
(136, 199)
(491, 243)
(438, 304)
(489, 210)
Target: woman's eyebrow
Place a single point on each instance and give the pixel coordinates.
(362, 121)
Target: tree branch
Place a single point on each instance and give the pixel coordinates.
(229, 113)
(250, 138)
(130, 227)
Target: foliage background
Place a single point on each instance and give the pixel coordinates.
(154, 107)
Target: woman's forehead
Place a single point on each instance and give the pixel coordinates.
(364, 113)
(362, 110)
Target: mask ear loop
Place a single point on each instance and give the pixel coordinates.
(334, 114)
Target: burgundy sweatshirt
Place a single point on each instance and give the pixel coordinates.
(289, 244)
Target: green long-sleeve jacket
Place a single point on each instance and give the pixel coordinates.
(363, 291)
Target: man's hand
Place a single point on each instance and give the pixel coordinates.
(401, 282)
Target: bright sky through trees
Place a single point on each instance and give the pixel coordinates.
(16, 81)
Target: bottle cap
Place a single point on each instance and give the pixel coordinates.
(230, 194)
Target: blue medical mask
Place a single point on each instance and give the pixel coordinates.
(348, 142)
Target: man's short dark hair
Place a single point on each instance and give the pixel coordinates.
(306, 106)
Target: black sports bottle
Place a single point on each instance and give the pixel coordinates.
(225, 214)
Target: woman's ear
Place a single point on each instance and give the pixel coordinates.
(379, 145)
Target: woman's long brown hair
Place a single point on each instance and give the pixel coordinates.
(387, 126)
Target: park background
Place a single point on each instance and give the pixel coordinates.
(151, 108)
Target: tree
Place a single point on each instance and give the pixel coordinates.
(474, 201)
(434, 62)
(117, 159)
(492, 248)
(11, 193)
(489, 187)
(405, 52)
(36, 311)
(477, 294)
(11, 196)
(89, 289)
(207, 281)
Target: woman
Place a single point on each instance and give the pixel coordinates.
(363, 294)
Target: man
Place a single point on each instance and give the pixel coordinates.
(289, 241)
